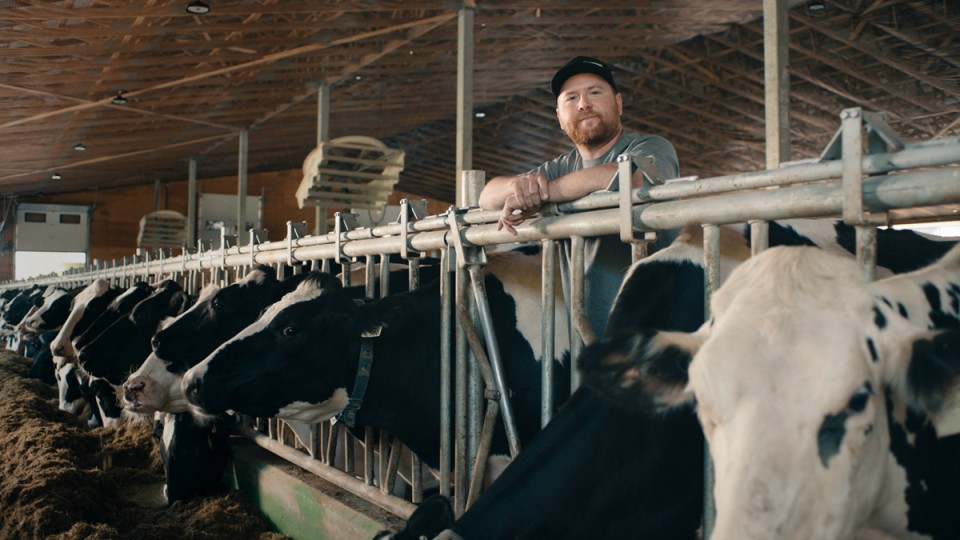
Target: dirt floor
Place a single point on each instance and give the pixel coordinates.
(60, 479)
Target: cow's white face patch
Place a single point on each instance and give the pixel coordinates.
(315, 412)
(161, 389)
(795, 439)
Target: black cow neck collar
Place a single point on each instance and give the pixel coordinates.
(364, 365)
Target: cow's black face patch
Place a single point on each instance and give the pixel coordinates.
(833, 427)
(830, 436)
(872, 347)
(879, 318)
(940, 318)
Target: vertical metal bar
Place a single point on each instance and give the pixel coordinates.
(759, 236)
(368, 457)
(446, 367)
(493, 353)
(464, 150)
(851, 124)
(548, 323)
(776, 81)
(384, 275)
(461, 461)
(867, 251)
(711, 263)
(242, 183)
(323, 134)
(370, 277)
(577, 245)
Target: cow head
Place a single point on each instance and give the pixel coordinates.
(216, 317)
(84, 307)
(124, 345)
(289, 362)
(50, 315)
(798, 380)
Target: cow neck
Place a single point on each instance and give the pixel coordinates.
(364, 366)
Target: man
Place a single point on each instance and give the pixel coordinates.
(589, 108)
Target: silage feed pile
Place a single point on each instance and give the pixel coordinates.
(60, 479)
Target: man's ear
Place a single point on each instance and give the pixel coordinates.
(619, 104)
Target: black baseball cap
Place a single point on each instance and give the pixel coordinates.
(582, 64)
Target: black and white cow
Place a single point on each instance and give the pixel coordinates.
(819, 396)
(86, 307)
(15, 310)
(656, 487)
(118, 308)
(122, 346)
(49, 315)
(218, 315)
(299, 360)
(194, 454)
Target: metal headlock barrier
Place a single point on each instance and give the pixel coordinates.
(843, 182)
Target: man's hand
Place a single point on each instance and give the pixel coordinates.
(529, 190)
(526, 194)
(512, 215)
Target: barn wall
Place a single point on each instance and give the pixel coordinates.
(116, 213)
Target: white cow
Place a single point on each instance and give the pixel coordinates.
(814, 391)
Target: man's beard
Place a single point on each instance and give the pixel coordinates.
(593, 137)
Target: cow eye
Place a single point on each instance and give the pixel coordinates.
(217, 303)
(290, 331)
(860, 398)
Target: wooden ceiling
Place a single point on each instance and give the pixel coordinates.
(690, 70)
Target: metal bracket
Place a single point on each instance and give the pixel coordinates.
(344, 222)
(466, 255)
(257, 237)
(410, 209)
(295, 231)
(879, 136)
(628, 230)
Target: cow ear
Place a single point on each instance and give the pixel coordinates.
(179, 302)
(642, 370)
(931, 370)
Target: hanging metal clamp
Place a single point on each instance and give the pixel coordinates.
(629, 233)
(295, 231)
(410, 211)
(344, 222)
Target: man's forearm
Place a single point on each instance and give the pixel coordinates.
(583, 182)
(495, 193)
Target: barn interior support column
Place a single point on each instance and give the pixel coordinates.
(776, 83)
(192, 202)
(157, 189)
(242, 185)
(464, 91)
(323, 134)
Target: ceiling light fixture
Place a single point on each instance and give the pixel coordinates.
(815, 7)
(56, 176)
(119, 99)
(198, 8)
(80, 147)
(480, 115)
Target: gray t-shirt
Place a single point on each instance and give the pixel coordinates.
(606, 258)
